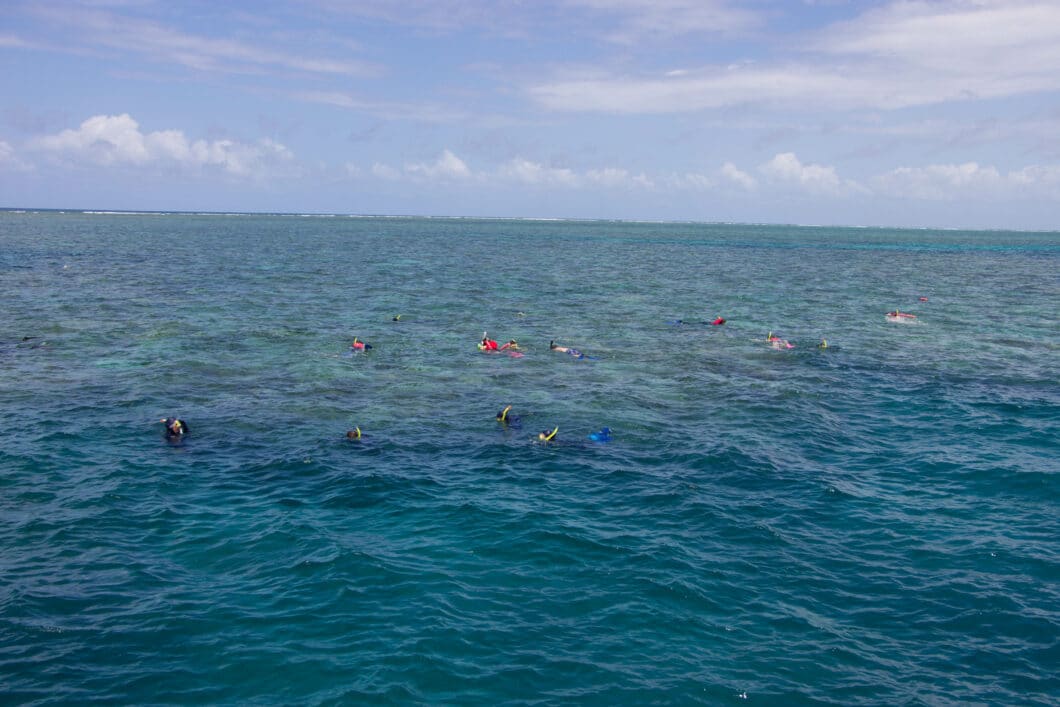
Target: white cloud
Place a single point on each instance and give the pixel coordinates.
(641, 20)
(117, 140)
(946, 182)
(165, 44)
(707, 88)
(385, 171)
(727, 175)
(9, 161)
(420, 112)
(615, 177)
(906, 54)
(447, 166)
(10, 41)
(730, 172)
(691, 180)
(625, 21)
(785, 168)
(962, 48)
(521, 171)
(527, 172)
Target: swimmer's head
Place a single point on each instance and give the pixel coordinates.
(502, 416)
(355, 433)
(552, 344)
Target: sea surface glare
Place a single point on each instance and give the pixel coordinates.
(872, 523)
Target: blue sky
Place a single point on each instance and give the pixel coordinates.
(912, 113)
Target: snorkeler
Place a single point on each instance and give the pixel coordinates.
(488, 344)
(897, 314)
(552, 346)
(507, 419)
(359, 345)
(777, 343)
(719, 321)
(547, 436)
(175, 428)
(510, 345)
(354, 434)
(604, 435)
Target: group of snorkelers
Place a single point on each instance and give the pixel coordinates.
(897, 315)
(176, 429)
(506, 418)
(488, 344)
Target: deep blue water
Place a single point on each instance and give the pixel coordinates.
(877, 522)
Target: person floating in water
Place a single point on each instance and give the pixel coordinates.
(547, 435)
(354, 435)
(777, 343)
(899, 314)
(175, 428)
(488, 344)
(359, 345)
(823, 344)
(603, 435)
(510, 345)
(719, 321)
(553, 346)
(507, 419)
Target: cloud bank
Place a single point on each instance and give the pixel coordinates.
(902, 55)
(118, 140)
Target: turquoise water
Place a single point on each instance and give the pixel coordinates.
(874, 523)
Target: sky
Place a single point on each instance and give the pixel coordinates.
(909, 113)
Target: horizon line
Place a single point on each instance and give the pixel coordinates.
(327, 214)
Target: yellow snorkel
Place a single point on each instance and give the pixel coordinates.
(502, 416)
(547, 436)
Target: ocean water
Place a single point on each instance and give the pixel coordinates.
(873, 523)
